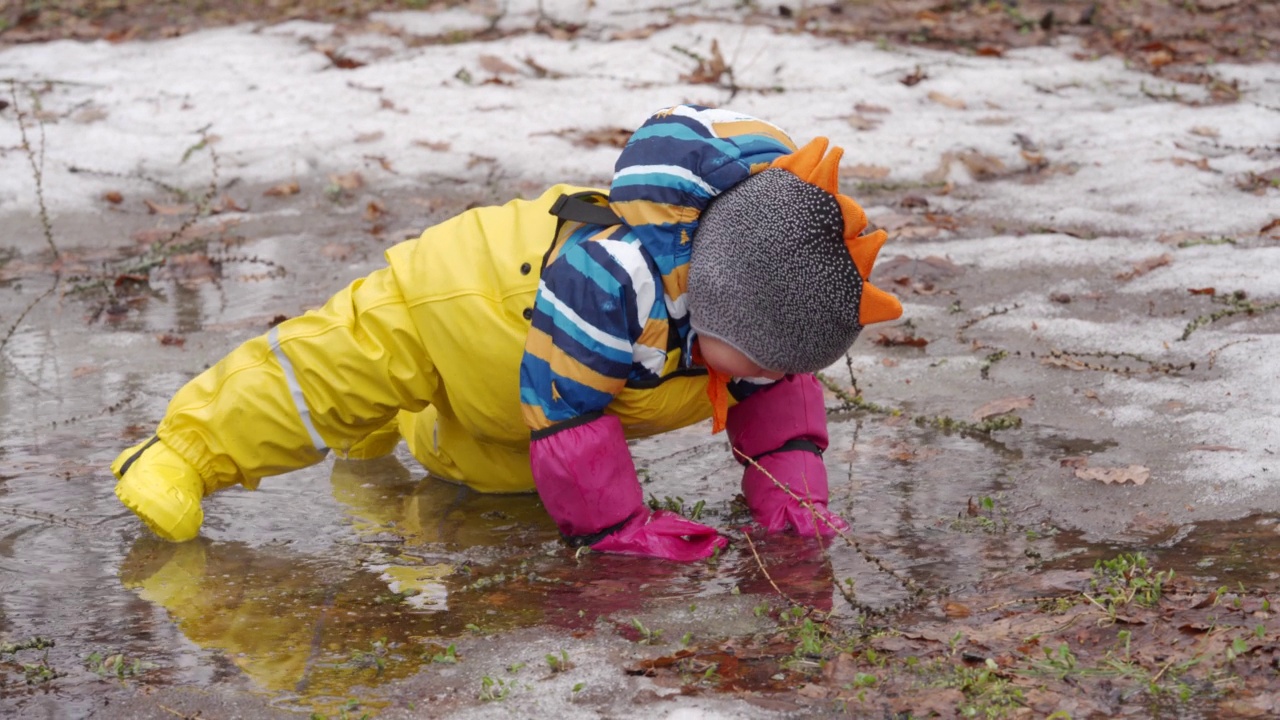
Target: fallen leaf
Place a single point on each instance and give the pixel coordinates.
(868, 172)
(283, 189)
(898, 336)
(1075, 461)
(1142, 267)
(1204, 131)
(1002, 406)
(946, 100)
(1136, 474)
(342, 62)
(374, 210)
(914, 77)
(497, 66)
(435, 145)
(113, 197)
(171, 339)
(158, 209)
(369, 136)
(347, 181)
(1202, 291)
(956, 610)
(869, 108)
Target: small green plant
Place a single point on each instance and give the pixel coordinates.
(375, 657)
(493, 689)
(40, 672)
(809, 638)
(559, 663)
(1059, 662)
(676, 505)
(448, 656)
(647, 636)
(1127, 579)
(115, 665)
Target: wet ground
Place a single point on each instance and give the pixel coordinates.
(962, 445)
(366, 588)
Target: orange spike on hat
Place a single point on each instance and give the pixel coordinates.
(877, 305)
(813, 164)
(864, 250)
(802, 162)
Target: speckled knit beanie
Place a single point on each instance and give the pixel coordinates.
(779, 269)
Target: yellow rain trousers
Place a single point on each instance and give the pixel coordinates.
(428, 349)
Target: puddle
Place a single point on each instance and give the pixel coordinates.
(354, 580)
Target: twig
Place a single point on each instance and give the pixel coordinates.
(14, 327)
(919, 594)
(767, 576)
(37, 167)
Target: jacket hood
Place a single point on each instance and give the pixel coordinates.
(680, 160)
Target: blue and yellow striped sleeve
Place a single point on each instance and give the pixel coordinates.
(586, 321)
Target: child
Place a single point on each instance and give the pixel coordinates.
(519, 347)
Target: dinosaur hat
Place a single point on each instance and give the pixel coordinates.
(780, 268)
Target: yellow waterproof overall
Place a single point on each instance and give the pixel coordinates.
(428, 349)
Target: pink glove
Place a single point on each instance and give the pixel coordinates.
(587, 482)
(804, 474)
(783, 428)
(663, 534)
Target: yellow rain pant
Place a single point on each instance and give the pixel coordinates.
(429, 346)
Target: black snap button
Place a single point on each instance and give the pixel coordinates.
(525, 268)
(528, 313)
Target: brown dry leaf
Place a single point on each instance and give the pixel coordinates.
(956, 610)
(1270, 228)
(157, 209)
(914, 77)
(370, 136)
(947, 100)
(862, 122)
(1201, 164)
(436, 145)
(899, 336)
(868, 172)
(171, 340)
(869, 108)
(229, 204)
(283, 189)
(1074, 461)
(613, 137)
(1136, 474)
(1202, 291)
(709, 70)
(840, 670)
(1205, 131)
(1002, 406)
(497, 66)
(1142, 267)
(639, 33)
(348, 181)
(374, 210)
(113, 197)
(342, 62)
(336, 251)
(981, 166)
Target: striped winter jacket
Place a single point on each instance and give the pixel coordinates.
(611, 311)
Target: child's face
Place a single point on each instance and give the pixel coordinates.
(728, 360)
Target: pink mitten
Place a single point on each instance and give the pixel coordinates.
(782, 429)
(802, 473)
(587, 482)
(663, 534)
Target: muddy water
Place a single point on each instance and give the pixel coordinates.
(354, 586)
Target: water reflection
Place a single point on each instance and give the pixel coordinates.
(435, 561)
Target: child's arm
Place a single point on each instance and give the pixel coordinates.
(779, 433)
(592, 308)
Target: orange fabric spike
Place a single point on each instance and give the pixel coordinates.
(877, 305)
(864, 250)
(802, 162)
(827, 174)
(855, 220)
(718, 394)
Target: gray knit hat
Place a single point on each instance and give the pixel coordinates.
(778, 270)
